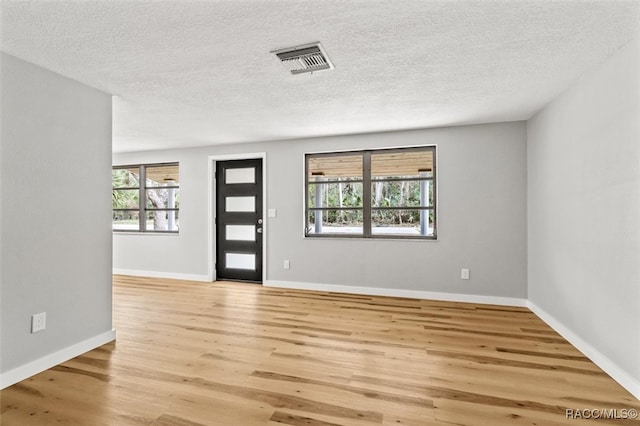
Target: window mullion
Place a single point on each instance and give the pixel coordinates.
(366, 194)
(142, 204)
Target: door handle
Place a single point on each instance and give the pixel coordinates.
(259, 221)
(259, 230)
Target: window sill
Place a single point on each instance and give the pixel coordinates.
(173, 234)
(360, 238)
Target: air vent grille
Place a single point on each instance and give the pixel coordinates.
(305, 58)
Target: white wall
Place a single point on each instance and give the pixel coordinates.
(584, 210)
(55, 218)
(482, 217)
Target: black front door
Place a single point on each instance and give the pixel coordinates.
(239, 220)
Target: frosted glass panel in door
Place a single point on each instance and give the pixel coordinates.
(240, 204)
(246, 175)
(240, 232)
(241, 261)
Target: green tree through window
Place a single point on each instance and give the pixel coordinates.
(156, 184)
(371, 193)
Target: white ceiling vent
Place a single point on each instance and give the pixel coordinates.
(305, 58)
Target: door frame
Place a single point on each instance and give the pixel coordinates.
(211, 215)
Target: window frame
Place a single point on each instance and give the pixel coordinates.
(367, 205)
(142, 189)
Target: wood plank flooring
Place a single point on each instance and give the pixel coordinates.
(191, 354)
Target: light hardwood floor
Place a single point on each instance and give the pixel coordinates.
(224, 353)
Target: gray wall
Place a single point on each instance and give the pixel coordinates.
(584, 210)
(55, 213)
(482, 217)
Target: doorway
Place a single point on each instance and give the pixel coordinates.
(239, 220)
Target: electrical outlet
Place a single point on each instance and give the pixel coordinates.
(272, 213)
(38, 322)
(286, 264)
(464, 274)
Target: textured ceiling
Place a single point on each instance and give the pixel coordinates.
(189, 73)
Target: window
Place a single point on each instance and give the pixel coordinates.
(159, 188)
(387, 193)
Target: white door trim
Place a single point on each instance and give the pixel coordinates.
(211, 243)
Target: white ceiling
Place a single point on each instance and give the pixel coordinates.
(190, 73)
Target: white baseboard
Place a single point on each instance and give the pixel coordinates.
(611, 368)
(157, 274)
(39, 365)
(392, 292)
